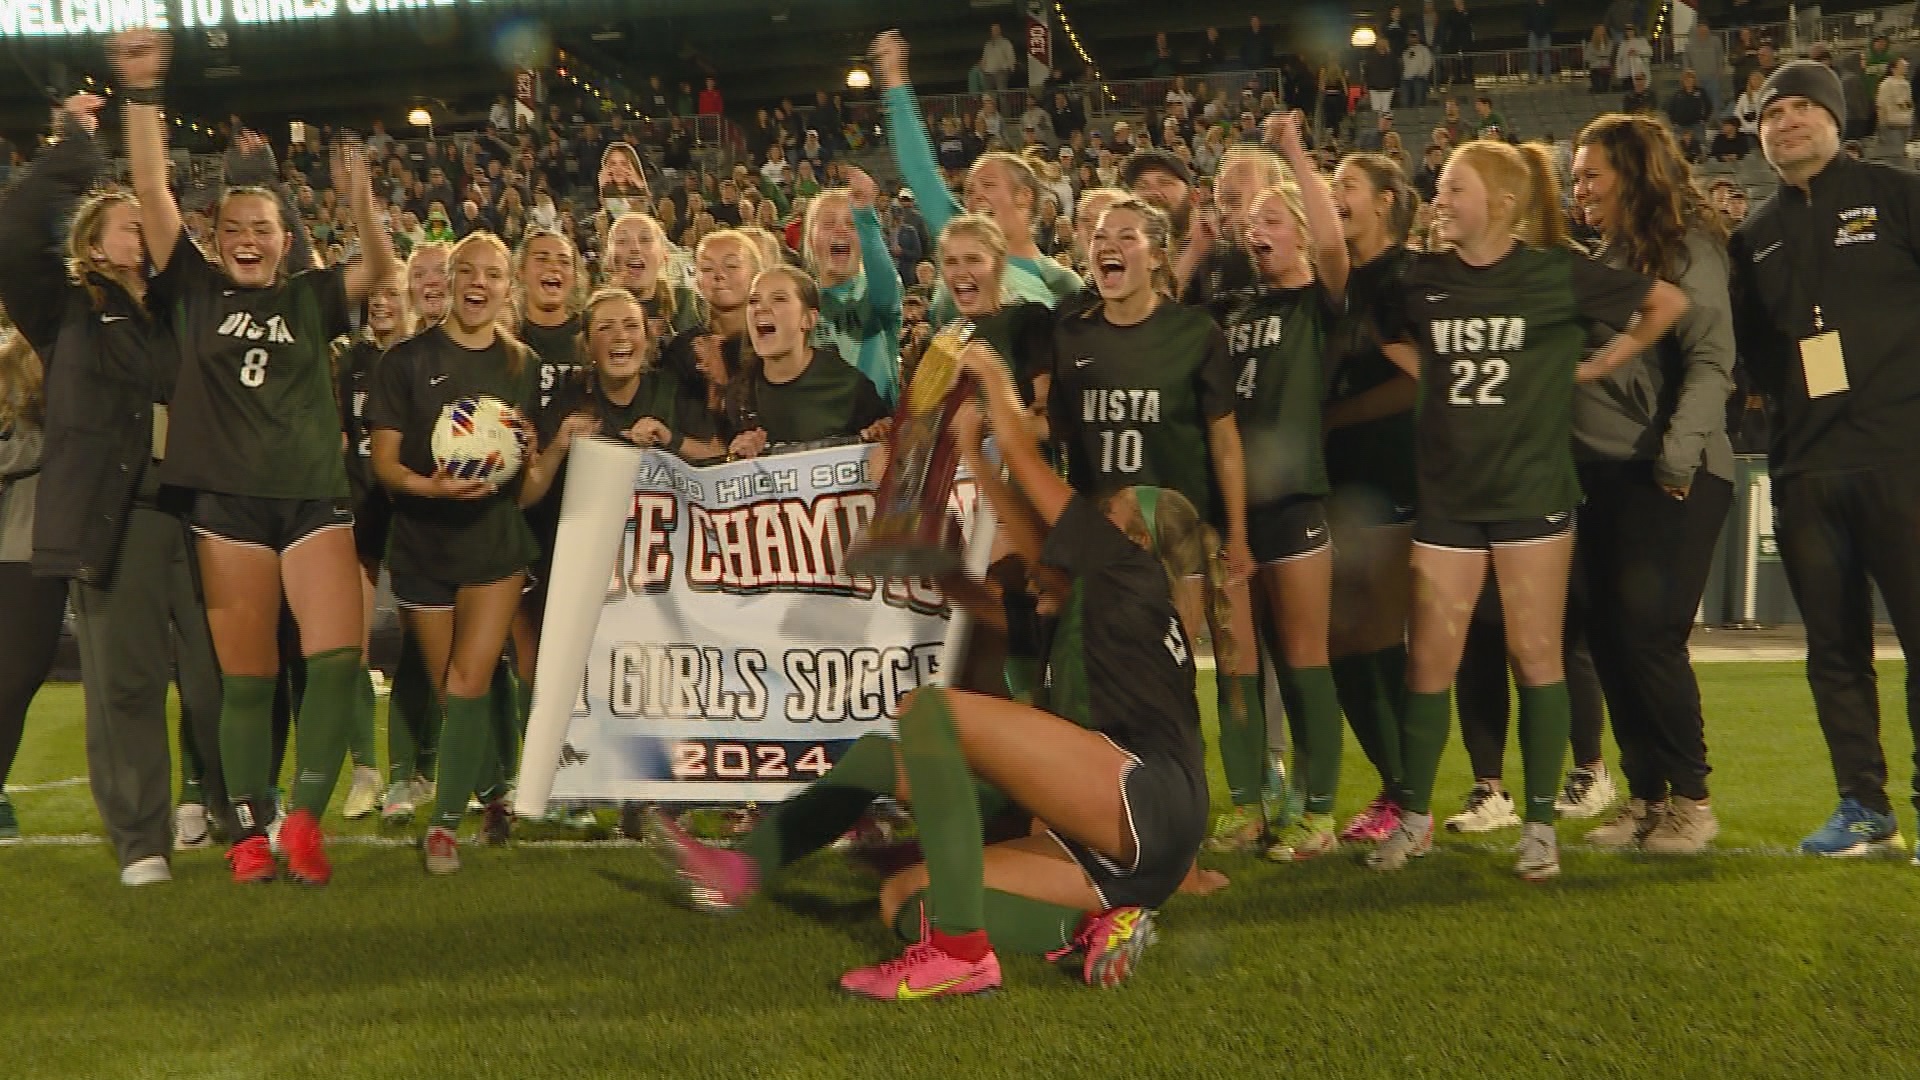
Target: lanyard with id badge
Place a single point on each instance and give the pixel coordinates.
(1823, 363)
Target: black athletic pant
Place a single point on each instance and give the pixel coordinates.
(1645, 556)
(29, 637)
(1838, 532)
(1482, 691)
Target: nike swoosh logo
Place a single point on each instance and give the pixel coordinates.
(436, 380)
(908, 993)
(112, 318)
(1768, 250)
(1082, 361)
(226, 292)
(1436, 297)
(1315, 534)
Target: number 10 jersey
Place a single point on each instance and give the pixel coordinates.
(254, 413)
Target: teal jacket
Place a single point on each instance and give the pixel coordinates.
(1040, 281)
(861, 318)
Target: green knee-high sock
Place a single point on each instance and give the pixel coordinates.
(1545, 718)
(360, 736)
(821, 812)
(332, 698)
(1243, 736)
(1422, 740)
(947, 809)
(503, 751)
(1015, 924)
(1317, 735)
(246, 748)
(467, 744)
(1357, 684)
(408, 706)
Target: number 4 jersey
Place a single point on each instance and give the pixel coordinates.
(1132, 403)
(254, 414)
(1499, 346)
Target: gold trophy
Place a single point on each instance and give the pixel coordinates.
(911, 534)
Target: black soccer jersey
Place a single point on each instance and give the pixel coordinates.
(1119, 662)
(1275, 341)
(1022, 333)
(657, 396)
(1132, 403)
(254, 412)
(354, 369)
(1377, 454)
(458, 541)
(558, 347)
(1499, 346)
(830, 399)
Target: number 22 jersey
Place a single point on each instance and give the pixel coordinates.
(254, 413)
(1499, 347)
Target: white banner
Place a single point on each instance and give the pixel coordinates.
(728, 657)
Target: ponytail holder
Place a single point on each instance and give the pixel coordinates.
(1148, 499)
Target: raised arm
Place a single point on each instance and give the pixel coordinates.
(907, 134)
(33, 218)
(139, 59)
(1326, 244)
(883, 279)
(377, 262)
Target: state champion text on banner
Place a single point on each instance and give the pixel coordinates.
(734, 658)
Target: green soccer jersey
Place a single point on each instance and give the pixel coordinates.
(1499, 346)
(1378, 454)
(1132, 404)
(456, 541)
(254, 413)
(830, 399)
(1275, 339)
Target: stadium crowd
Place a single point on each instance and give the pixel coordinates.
(1252, 373)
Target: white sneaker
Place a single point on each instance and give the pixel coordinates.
(1486, 810)
(364, 795)
(152, 870)
(1538, 856)
(1586, 794)
(190, 831)
(423, 791)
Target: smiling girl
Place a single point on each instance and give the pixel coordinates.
(258, 439)
(791, 391)
(844, 250)
(708, 358)
(461, 547)
(1495, 330)
(639, 261)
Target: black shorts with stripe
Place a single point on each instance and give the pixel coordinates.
(274, 524)
(1166, 810)
(1438, 532)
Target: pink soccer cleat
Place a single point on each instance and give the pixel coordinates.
(715, 879)
(1374, 824)
(923, 972)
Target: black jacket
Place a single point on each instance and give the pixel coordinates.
(1853, 250)
(106, 366)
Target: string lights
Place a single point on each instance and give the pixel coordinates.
(1093, 69)
(105, 90)
(596, 93)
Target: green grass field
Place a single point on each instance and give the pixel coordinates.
(546, 961)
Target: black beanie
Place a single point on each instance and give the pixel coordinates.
(1809, 79)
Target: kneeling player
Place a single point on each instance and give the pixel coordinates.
(1113, 772)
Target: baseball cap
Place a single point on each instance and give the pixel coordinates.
(1141, 161)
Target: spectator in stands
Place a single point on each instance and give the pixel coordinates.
(1213, 51)
(1747, 108)
(1743, 56)
(903, 243)
(952, 150)
(813, 150)
(711, 103)
(379, 143)
(1894, 101)
(1381, 70)
(1634, 56)
(1730, 145)
(1178, 94)
(1456, 41)
(1162, 64)
(760, 135)
(684, 100)
(1207, 155)
(500, 113)
(1256, 50)
(1162, 181)
(1416, 72)
(1708, 59)
(1429, 27)
(1068, 117)
(1037, 123)
(1376, 138)
(1690, 148)
(997, 60)
(1598, 54)
(1538, 22)
(1862, 105)
(1395, 30)
(989, 117)
(1488, 124)
(1689, 108)
(1765, 61)
(1638, 99)
(775, 171)
(1427, 179)
(1458, 130)
(1878, 61)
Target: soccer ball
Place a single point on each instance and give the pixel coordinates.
(480, 438)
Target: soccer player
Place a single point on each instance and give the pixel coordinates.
(1000, 185)
(789, 390)
(707, 358)
(257, 438)
(624, 392)
(1112, 768)
(385, 323)
(1143, 393)
(1277, 332)
(1494, 329)
(843, 248)
(1369, 448)
(461, 547)
(637, 260)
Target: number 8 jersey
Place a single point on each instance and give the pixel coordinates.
(1132, 403)
(255, 413)
(1499, 346)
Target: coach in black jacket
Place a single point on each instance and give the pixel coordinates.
(102, 518)
(1827, 315)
